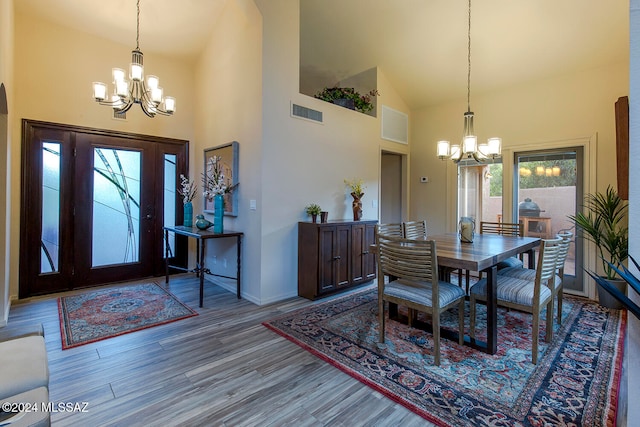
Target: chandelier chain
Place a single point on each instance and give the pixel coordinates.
(138, 26)
(469, 61)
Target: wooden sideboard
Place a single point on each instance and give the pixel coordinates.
(334, 256)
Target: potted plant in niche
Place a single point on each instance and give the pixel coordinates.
(347, 97)
(605, 224)
(313, 210)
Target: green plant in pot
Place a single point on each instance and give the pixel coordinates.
(313, 210)
(604, 223)
(348, 97)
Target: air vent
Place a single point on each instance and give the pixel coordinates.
(306, 113)
(395, 125)
(119, 116)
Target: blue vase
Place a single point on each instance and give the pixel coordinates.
(218, 214)
(188, 215)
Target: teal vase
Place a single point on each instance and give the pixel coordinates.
(188, 215)
(218, 214)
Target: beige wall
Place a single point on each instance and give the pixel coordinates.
(305, 162)
(229, 108)
(6, 78)
(55, 69)
(565, 108)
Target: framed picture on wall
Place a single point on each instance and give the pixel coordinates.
(228, 154)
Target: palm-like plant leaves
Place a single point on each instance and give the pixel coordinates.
(604, 225)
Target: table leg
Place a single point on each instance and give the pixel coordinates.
(166, 256)
(201, 270)
(492, 310)
(239, 245)
(531, 256)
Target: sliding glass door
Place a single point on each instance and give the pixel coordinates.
(547, 189)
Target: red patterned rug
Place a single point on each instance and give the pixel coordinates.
(106, 313)
(575, 382)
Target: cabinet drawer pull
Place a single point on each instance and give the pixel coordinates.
(365, 253)
(336, 257)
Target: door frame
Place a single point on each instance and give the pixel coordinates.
(30, 128)
(589, 146)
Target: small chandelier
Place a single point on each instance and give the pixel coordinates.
(469, 149)
(126, 93)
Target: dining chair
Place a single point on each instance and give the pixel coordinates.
(414, 266)
(558, 281)
(531, 296)
(394, 230)
(414, 229)
(502, 229)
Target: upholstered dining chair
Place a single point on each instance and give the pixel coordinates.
(414, 229)
(558, 281)
(414, 266)
(531, 296)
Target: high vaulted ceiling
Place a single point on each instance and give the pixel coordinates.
(421, 45)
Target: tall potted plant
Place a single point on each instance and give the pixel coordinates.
(604, 223)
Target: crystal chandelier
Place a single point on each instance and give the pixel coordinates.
(134, 91)
(469, 149)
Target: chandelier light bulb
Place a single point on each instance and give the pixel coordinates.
(470, 144)
(169, 104)
(99, 91)
(443, 149)
(118, 74)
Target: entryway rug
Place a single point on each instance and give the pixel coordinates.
(575, 382)
(106, 313)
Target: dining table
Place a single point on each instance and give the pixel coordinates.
(483, 255)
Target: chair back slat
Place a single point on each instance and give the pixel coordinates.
(548, 258)
(566, 237)
(502, 228)
(392, 230)
(414, 229)
(414, 260)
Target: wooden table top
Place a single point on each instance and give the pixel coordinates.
(485, 251)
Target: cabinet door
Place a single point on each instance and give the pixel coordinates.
(342, 257)
(335, 258)
(364, 267)
(326, 251)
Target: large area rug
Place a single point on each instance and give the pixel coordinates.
(106, 313)
(574, 384)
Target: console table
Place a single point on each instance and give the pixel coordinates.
(201, 237)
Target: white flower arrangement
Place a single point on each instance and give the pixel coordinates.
(187, 189)
(214, 180)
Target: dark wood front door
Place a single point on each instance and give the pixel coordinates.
(94, 203)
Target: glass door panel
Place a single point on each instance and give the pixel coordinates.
(169, 200)
(50, 234)
(547, 191)
(116, 207)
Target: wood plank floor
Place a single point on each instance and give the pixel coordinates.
(221, 368)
